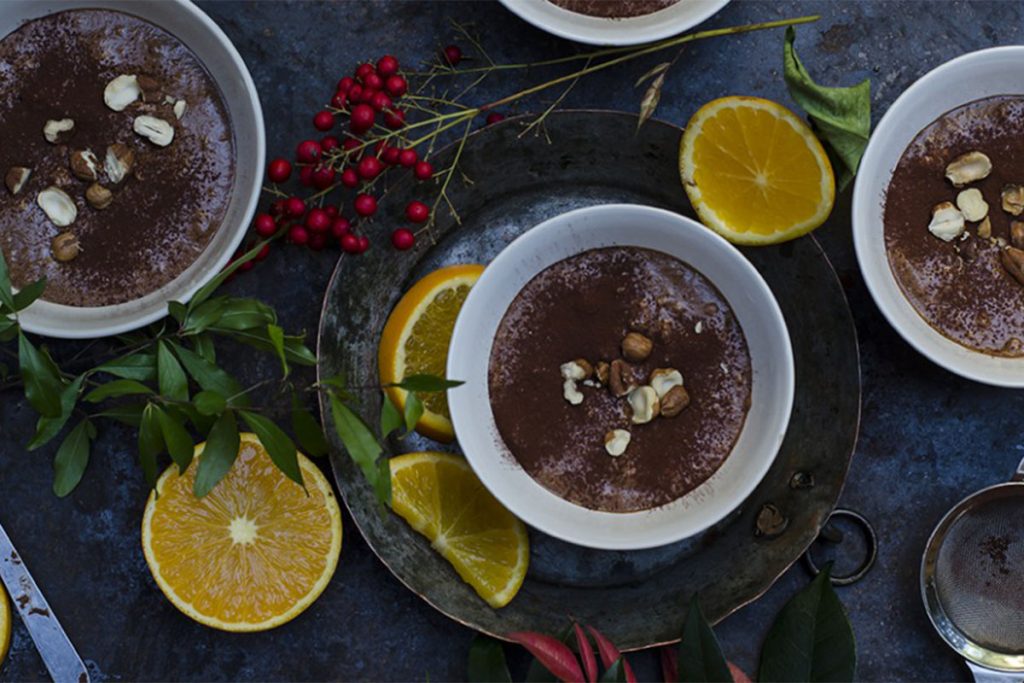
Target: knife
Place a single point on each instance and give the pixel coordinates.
(59, 655)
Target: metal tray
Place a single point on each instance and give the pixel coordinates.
(513, 181)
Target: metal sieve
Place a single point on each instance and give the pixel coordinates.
(972, 580)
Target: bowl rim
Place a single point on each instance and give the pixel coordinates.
(619, 31)
(867, 222)
(668, 533)
(66, 329)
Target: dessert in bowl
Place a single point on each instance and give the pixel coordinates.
(937, 216)
(628, 377)
(131, 163)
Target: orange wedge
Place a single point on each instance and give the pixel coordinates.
(5, 624)
(416, 338)
(254, 552)
(755, 172)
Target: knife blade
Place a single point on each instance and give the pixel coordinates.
(59, 655)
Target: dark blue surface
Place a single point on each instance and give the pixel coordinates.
(928, 438)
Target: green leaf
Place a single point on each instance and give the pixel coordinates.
(841, 116)
(208, 376)
(151, 443)
(427, 384)
(8, 329)
(115, 388)
(138, 366)
(6, 292)
(361, 444)
(49, 427)
(72, 458)
(390, 418)
(171, 377)
(413, 411)
(177, 439)
(177, 311)
(245, 314)
(210, 287)
(294, 345)
(487, 662)
(700, 656)
(616, 673)
(307, 430)
(279, 445)
(28, 294)
(219, 454)
(126, 413)
(209, 403)
(204, 347)
(206, 314)
(811, 639)
(276, 336)
(43, 386)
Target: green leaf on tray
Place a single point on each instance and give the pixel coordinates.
(42, 382)
(841, 116)
(49, 427)
(138, 366)
(72, 458)
(487, 662)
(177, 439)
(245, 314)
(206, 314)
(616, 673)
(413, 411)
(276, 336)
(811, 639)
(170, 375)
(279, 445)
(28, 294)
(151, 443)
(700, 656)
(426, 383)
(390, 418)
(219, 454)
(362, 447)
(307, 430)
(116, 388)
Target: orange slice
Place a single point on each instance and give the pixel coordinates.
(254, 552)
(440, 497)
(755, 172)
(416, 338)
(5, 624)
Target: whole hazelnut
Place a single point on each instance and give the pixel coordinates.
(65, 247)
(675, 401)
(98, 196)
(636, 347)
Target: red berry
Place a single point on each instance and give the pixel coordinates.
(350, 144)
(345, 84)
(364, 70)
(247, 266)
(278, 207)
(306, 176)
(368, 94)
(380, 101)
(264, 253)
(394, 119)
(265, 225)
(296, 207)
(373, 80)
(332, 210)
(417, 212)
(317, 241)
(279, 170)
(349, 178)
(340, 227)
(494, 117)
(403, 239)
(408, 158)
(396, 86)
(364, 243)
(452, 55)
(317, 220)
(370, 168)
(339, 100)
(362, 118)
(308, 151)
(323, 178)
(387, 65)
(324, 120)
(350, 243)
(365, 205)
(389, 155)
(298, 235)
(329, 142)
(354, 93)
(423, 170)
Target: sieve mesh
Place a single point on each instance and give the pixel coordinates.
(979, 573)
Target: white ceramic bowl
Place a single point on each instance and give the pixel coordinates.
(197, 31)
(995, 71)
(583, 28)
(755, 309)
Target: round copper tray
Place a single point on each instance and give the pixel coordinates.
(636, 598)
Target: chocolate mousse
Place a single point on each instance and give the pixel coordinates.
(118, 156)
(614, 9)
(620, 379)
(954, 229)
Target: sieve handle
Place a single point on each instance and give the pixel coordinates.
(1019, 474)
(985, 675)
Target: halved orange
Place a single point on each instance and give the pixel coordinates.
(416, 338)
(440, 497)
(754, 171)
(5, 624)
(250, 555)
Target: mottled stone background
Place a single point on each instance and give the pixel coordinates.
(928, 438)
